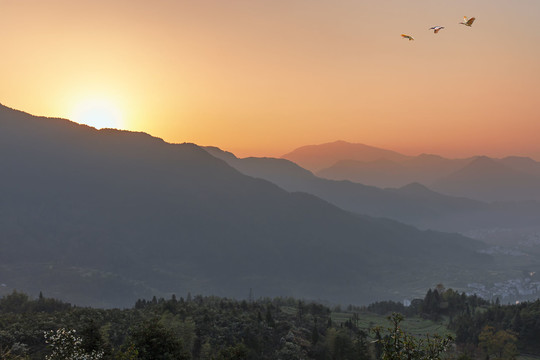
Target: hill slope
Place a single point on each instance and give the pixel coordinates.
(413, 204)
(490, 180)
(106, 217)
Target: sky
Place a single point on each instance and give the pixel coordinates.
(263, 77)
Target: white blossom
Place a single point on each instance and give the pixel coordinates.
(66, 345)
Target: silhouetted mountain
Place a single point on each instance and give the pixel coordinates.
(490, 180)
(380, 173)
(385, 173)
(428, 167)
(281, 172)
(373, 166)
(106, 217)
(481, 178)
(318, 157)
(413, 204)
(523, 164)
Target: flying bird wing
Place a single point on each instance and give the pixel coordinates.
(407, 37)
(468, 22)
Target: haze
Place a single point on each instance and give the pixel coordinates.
(264, 77)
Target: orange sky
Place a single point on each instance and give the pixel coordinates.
(262, 77)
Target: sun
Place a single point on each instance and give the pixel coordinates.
(98, 113)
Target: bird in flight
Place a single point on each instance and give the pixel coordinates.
(407, 37)
(468, 22)
(436, 28)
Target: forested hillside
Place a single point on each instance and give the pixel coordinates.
(192, 328)
(199, 327)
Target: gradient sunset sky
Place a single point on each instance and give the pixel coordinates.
(262, 77)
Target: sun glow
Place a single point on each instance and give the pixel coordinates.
(99, 113)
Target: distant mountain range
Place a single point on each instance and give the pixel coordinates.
(491, 179)
(481, 178)
(318, 157)
(105, 217)
(413, 204)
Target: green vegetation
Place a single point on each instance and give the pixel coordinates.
(66, 345)
(397, 344)
(281, 328)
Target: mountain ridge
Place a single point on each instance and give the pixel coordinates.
(413, 203)
(433, 171)
(108, 216)
(488, 179)
(317, 157)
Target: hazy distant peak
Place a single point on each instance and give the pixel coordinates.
(482, 166)
(521, 163)
(489, 179)
(430, 156)
(482, 158)
(384, 161)
(427, 160)
(415, 186)
(377, 163)
(331, 143)
(317, 157)
(484, 163)
(342, 142)
(339, 145)
(519, 159)
(418, 191)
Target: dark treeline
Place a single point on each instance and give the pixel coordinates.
(210, 327)
(482, 328)
(520, 322)
(193, 328)
(435, 305)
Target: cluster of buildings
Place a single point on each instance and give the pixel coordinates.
(509, 291)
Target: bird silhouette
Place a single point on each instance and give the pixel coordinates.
(468, 22)
(436, 28)
(407, 37)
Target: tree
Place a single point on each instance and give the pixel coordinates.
(153, 341)
(269, 319)
(431, 304)
(66, 345)
(129, 354)
(314, 335)
(395, 344)
(91, 337)
(15, 302)
(237, 352)
(501, 344)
